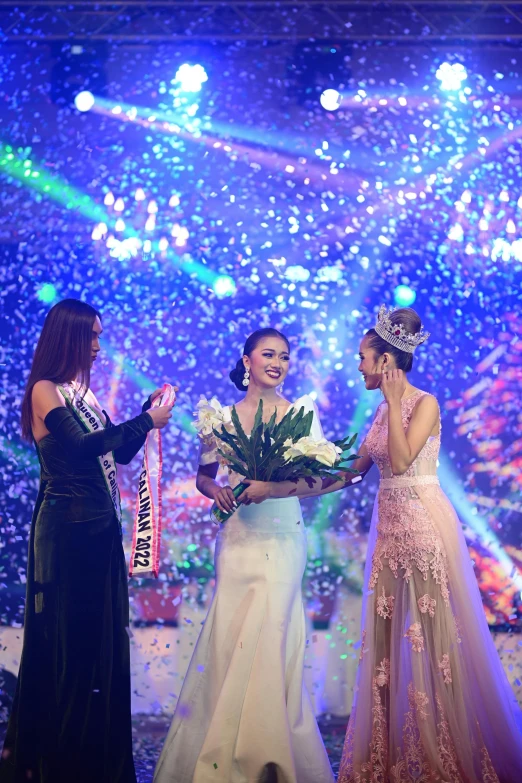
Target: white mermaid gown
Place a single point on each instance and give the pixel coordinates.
(243, 713)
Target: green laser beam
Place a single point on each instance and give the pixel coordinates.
(16, 164)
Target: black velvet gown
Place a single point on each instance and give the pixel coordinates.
(71, 718)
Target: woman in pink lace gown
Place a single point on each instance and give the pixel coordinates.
(433, 704)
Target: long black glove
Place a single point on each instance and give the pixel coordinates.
(124, 454)
(63, 425)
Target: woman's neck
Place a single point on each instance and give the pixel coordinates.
(409, 390)
(256, 393)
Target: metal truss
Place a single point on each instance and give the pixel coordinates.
(263, 20)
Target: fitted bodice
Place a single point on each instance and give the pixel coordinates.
(377, 442)
(73, 483)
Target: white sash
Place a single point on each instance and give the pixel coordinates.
(92, 421)
(146, 538)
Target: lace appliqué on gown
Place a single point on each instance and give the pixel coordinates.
(445, 667)
(407, 537)
(385, 605)
(414, 634)
(427, 605)
(383, 676)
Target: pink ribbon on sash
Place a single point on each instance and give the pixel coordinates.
(146, 538)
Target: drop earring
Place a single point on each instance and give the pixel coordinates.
(246, 379)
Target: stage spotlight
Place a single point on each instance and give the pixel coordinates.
(84, 101)
(190, 78)
(451, 76)
(330, 100)
(224, 286)
(404, 296)
(47, 293)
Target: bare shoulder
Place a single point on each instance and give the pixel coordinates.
(45, 396)
(426, 405)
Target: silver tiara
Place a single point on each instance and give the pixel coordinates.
(396, 334)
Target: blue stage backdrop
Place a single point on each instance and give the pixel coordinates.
(206, 191)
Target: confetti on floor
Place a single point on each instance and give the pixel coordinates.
(149, 734)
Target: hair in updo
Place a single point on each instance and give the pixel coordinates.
(238, 373)
(412, 323)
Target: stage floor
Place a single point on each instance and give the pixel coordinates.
(150, 732)
(160, 656)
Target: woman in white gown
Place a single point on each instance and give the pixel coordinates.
(243, 714)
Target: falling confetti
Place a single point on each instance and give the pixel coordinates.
(190, 227)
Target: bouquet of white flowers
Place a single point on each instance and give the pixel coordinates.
(282, 451)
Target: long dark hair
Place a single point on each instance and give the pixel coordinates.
(63, 352)
(411, 321)
(238, 373)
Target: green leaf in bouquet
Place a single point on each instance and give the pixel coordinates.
(303, 426)
(272, 453)
(231, 440)
(267, 453)
(346, 443)
(271, 423)
(237, 465)
(244, 441)
(351, 441)
(282, 430)
(256, 437)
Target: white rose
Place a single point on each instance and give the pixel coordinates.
(327, 453)
(210, 416)
(321, 450)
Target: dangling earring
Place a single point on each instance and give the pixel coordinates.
(246, 379)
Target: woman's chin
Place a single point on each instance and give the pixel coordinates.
(270, 383)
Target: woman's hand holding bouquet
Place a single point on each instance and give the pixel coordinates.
(273, 452)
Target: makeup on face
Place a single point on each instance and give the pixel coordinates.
(370, 366)
(96, 334)
(269, 362)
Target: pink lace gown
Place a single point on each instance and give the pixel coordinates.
(432, 703)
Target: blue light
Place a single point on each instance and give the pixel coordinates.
(451, 76)
(224, 286)
(190, 77)
(84, 101)
(404, 296)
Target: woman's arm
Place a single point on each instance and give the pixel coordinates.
(258, 491)
(124, 454)
(405, 446)
(49, 405)
(206, 484)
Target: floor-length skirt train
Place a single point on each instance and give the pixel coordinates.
(433, 704)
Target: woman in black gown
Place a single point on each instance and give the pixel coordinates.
(71, 719)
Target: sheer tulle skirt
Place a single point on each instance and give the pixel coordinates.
(433, 704)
